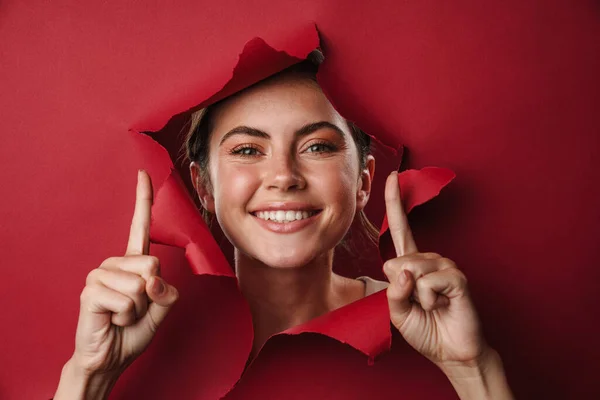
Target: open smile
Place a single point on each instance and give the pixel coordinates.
(289, 221)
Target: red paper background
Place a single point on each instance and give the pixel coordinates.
(503, 93)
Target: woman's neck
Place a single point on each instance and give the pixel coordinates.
(282, 298)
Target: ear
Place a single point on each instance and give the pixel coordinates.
(202, 188)
(365, 182)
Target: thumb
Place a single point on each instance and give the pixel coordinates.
(163, 297)
(398, 294)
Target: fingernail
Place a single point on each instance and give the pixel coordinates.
(158, 287)
(393, 172)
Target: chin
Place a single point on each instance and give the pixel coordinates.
(285, 261)
(284, 258)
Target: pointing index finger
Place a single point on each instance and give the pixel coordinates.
(139, 234)
(402, 237)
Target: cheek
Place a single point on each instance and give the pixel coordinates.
(234, 186)
(338, 184)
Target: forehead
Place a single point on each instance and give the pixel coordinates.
(278, 104)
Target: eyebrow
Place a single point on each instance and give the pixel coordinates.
(303, 131)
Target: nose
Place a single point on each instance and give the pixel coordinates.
(283, 174)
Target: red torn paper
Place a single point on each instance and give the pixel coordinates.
(177, 222)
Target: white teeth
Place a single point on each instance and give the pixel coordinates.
(284, 216)
(280, 216)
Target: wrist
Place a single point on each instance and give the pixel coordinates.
(471, 369)
(77, 383)
(481, 378)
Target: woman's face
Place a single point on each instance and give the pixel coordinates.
(285, 173)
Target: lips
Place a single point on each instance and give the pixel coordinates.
(284, 206)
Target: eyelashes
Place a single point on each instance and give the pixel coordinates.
(324, 146)
(245, 150)
(250, 150)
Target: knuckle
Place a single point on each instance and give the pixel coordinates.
(92, 277)
(392, 265)
(425, 303)
(139, 285)
(422, 285)
(122, 319)
(413, 265)
(109, 262)
(387, 266)
(128, 306)
(458, 277)
(447, 263)
(461, 279)
(151, 265)
(431, 256)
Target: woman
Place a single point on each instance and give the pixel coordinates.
(285, 175)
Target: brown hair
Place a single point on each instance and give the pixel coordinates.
(198, 139)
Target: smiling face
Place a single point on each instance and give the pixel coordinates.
(285, 183)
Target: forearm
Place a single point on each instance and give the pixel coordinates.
(482, 380)
(76, 385)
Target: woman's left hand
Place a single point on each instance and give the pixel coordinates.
(428, 296)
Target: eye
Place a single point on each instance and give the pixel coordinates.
(320, 147)
(245, 151)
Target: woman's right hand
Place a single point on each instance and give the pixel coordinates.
(122, 305)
